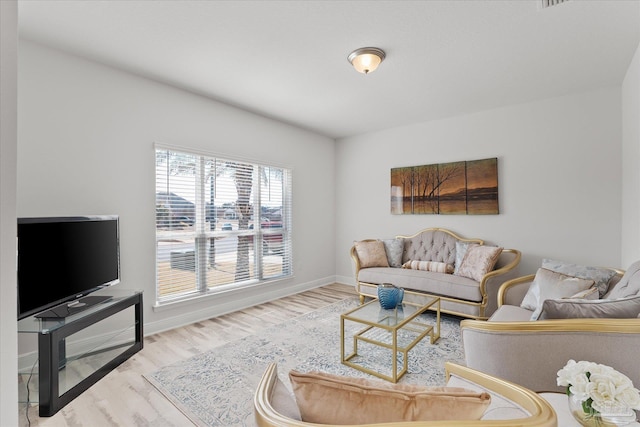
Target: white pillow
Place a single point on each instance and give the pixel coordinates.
(551, 285)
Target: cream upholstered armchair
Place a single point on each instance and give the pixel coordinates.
(530, 353)
(511, 405)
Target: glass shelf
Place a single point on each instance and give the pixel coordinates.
(38, 325)
(82, 358)
(76, 351)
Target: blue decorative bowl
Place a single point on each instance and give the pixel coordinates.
(390, 296)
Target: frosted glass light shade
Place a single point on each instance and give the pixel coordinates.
(366, 59)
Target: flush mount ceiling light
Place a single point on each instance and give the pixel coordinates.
(366, 59)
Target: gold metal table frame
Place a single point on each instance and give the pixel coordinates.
(402, 317)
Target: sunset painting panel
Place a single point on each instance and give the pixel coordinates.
(482, 187)
(402, 190)
(452, 188)
(457, 188)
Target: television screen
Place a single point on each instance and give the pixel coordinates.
(63, 259)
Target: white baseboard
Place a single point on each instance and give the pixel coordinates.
(346, 280)
(240, 300)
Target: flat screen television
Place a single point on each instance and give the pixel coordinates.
(62, 259)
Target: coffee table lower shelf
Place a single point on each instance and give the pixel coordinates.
(399, 328)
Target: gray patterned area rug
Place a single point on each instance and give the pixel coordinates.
(216, 388)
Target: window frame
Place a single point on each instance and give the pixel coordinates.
(201, 235)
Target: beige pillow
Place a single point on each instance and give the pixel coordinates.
(601, 276)
(551, 285)
(336, 400)
(438, 267)
(371, 254)
(626, 308)
(589, 294)
(478, 261)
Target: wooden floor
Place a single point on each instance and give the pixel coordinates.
(125, 398)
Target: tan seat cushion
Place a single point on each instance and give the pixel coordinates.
(332, 399)
(425, 281)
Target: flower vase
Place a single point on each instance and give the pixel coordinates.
(586, 416)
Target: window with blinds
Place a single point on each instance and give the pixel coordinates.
(220, 224)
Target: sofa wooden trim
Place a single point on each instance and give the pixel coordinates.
(542, 414)
(444, 230)
(517, 287)
(618, 326)
(489, 293)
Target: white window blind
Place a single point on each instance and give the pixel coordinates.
(220, 224)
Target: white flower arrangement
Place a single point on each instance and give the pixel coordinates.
(600, 388)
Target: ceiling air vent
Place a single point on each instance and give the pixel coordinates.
(548, 3)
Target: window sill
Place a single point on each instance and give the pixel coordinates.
(195, 298)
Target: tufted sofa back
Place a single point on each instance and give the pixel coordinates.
(432, 244)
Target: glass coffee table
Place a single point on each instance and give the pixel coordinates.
(397, 330)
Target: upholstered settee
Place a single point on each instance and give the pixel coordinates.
(503, 403)
(602, 328)
(465, 273)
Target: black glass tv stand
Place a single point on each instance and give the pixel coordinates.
(70, 308)
(114, 326)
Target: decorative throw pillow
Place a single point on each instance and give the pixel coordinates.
(394, 249)
(626, 308)
(589, 294)
(478, 261)
(336, 400)
(551, 285)
(437, 267)
(629, 285)
(601, 276)
(461, 251)
(371, 254)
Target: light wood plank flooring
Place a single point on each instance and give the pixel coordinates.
(125, 398)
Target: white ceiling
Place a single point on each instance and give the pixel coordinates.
(288, 59)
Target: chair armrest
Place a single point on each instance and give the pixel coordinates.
(512, 292)
(507, 268)
(541, 412)
(356, 260)
(531, 353)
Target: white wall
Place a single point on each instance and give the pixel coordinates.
(559, 179)
(630, 160)
(8, 144)
(86, 135)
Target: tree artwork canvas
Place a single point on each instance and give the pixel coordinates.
(457, 188)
